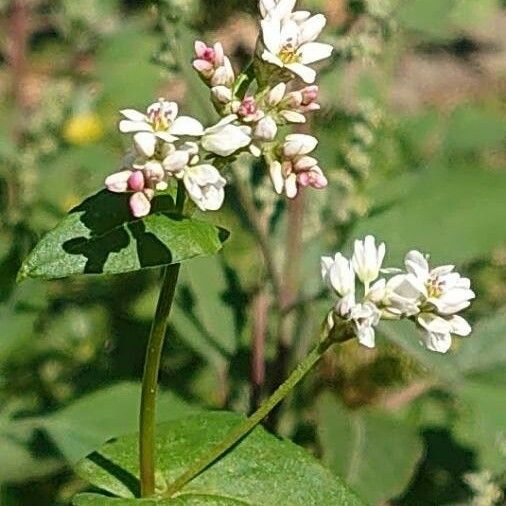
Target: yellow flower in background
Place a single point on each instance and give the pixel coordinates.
(83, 129)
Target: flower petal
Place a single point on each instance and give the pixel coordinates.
(139, 204)
(145, 143)
(126, 126)
(118, 182)
(133, 115)
(311, 28)
(185, 125)
(313, 52)
(307, 74)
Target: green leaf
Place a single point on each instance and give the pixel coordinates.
(100, 236)
(454, 214)
(477, 355)
(260, 470)
(374, 451)
(482, 423)
(187, 500)
(89, 422)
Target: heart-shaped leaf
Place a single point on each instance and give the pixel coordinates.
(100, 236)
(260, 470)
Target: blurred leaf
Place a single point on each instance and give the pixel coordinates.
(89, 422)
(261, 469)
(18, 316)
(100, 236)
(128, 81)
(206, 316)
(482, 423)
(477, 355)
(19, 464)
(454, 214)
(375, 452)
(472, 128)
(429, 17)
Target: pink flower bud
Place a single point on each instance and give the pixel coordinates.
(136, 181)
(248, 107)
(309, 94)
(139, 204)
(314, 178)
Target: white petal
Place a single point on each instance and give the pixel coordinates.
(166, 137)
(276, 94)
(434, 323)
(276, 174)
(176, 161)
(436, 341)
(140, 205)
(145, 143)
(272, 58)
(118, 182)
(271, 34)
(313, 52)
(291, 186)
(417, 264)
(185, 125)
(459, 326)
(366, 336)
(284, 8)
(289, 34)
(134, 115)
(299, 144)
(126, 126)
(311, 28)
(293, 116)
(226, 140)
(307, 74)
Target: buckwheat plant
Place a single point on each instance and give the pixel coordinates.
(176, 164)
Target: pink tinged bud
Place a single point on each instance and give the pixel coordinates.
(309, 94)
(200, 48)
(139, 204)
(248, 107)
(314, 178)
(203, 66)
(294, 99)
(219, 55)
(118, 182)
(136, 181)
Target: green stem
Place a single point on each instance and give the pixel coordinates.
(147, 419)
(243, 81)
(243, 429)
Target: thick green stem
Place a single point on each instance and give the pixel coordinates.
(250, 423)
(147, 419)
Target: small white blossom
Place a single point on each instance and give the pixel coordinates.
(365, 317)
(338, 273)
(205, 185)
(266, 129)
(295, 168)
(367, 259)
(289, 44)
(160, 123)
(225, 138)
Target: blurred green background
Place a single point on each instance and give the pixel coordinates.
(412, 135)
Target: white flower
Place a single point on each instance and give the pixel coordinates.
(159, 123)
(289, 44)
(367, 259)
(296, 168)
(212, 64)
(338, 273)
(276, 8)
(222, 94)
(266, 129)
(299, 144)
(205, 186)
(224, 138)
(437, 331)
(136, 182)
(365, 317)
(447, 291)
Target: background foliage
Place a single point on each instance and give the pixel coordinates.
(412, 137)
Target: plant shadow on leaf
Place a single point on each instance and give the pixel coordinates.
(109, 221)
(100, 236)
(130, 481)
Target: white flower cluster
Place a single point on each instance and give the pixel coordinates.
(167, 146)
(430, 297)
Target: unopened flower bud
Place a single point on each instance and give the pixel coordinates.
(266, 129)
(136, 181)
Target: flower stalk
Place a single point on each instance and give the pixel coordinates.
(147, 418)
(328, 336)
